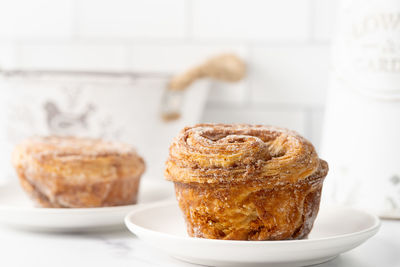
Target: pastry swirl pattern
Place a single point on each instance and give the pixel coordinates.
(248, 182)
(208, 153)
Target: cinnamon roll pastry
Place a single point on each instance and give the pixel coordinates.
(246, 182)
(68, 172)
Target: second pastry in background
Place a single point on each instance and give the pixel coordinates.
(69, 172)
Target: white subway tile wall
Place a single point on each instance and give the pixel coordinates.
(325, 13)
(7, 54)
(131, 18)
(315, 120)
(289, 74)
(73, 56)
(285, 118)
(36, 19)
(176, 57)
(286, 44)
(254, 20)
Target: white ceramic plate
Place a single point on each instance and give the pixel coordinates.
(17, 210)
(336, 230)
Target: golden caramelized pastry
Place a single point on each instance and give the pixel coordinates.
(246, 182)
(68, 172)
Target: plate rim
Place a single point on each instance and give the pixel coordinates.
(41, 210)
(370, 231)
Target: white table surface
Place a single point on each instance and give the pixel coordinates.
(121, 248)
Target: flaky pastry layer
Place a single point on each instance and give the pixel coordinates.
(78, 172)
(246, 182)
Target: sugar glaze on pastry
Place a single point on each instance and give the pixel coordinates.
(246, 182)
(69, 172)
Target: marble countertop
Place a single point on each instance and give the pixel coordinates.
(121, 248)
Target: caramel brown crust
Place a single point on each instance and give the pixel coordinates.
(78, 172)
(214, 153)
(246, 182)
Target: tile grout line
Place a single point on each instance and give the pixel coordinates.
(129, 56)
(75, 20)
(166, 41)
(188, 20)
(311, 21)
(249, 78)
(266, 105)
(221, 105)
(309, 124)
(17, 55)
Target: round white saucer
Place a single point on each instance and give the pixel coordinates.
(336, 230)
(17, 210)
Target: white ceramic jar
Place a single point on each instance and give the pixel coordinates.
(123, 107)
(361, 139)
